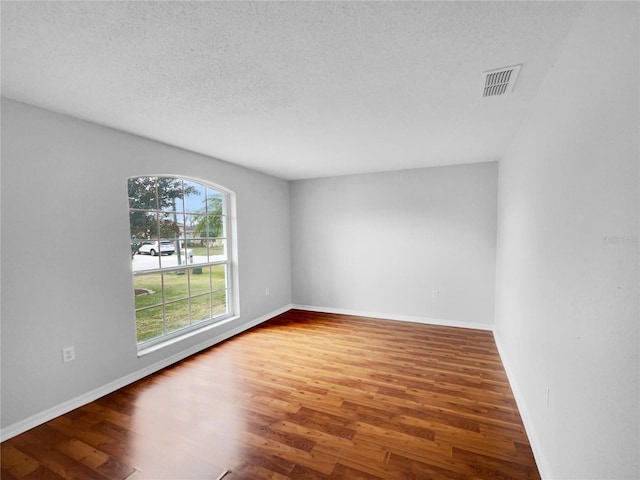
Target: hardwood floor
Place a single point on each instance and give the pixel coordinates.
(303, 396)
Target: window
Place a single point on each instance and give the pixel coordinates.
(179, 256)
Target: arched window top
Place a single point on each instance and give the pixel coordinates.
(168, 193)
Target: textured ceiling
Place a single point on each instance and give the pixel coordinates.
(294, 89)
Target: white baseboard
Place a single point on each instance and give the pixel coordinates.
(536, 446)
(400, 318)
(65, 407)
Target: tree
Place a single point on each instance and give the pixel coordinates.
(152, 202)
(208, 223)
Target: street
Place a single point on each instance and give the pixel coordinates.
(149, 262)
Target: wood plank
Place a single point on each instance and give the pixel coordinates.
(306, 395)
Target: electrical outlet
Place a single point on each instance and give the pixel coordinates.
(267, 292)
(435, 294)
(68, 354)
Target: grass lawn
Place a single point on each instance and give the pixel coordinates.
(189, 298)
(202, 251)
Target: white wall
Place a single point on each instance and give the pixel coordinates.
(567, 265)
(66, 274)
(381, 243)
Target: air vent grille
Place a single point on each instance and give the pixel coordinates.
(500, 81)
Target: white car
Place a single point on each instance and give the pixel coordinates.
(152, 248)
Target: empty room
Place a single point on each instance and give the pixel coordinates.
(320, 240)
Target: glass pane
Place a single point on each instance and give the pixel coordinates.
(217, 249)
(142, 193)
(180, 257)
(168, 226)
(176, 285)
(219, 302)
(200, 280)
(224, 226)
(216, 198)
(177, 315)
(170, 257)
(194, 197)
(180, 244)
(147, 290)
(219, 277)
(207, 226)
(178, 218)
(147, 257)
(142, 224)
(190, 226)
(214, 226)
(170, 194)
(196, 252)
(149, 323)
(200, 308)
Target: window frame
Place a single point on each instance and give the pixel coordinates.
(228, 262)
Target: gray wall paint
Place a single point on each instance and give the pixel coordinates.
(66, 276)
(383, 242)
(567, 270)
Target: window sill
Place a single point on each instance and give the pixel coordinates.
(171, 341)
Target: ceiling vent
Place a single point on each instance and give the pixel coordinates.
(500, 81)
